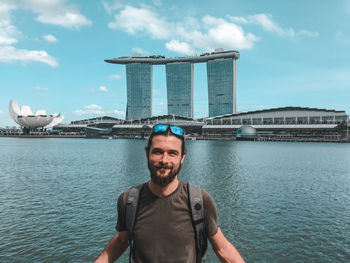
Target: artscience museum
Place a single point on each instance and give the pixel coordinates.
(25, 117)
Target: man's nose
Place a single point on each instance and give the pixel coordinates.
(164, 158)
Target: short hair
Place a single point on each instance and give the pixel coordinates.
(166, 133)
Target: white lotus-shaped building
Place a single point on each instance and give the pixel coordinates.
(25, 117)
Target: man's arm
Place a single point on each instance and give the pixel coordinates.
(114, 249)
(225, 251)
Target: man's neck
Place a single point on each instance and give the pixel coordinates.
(162, 191)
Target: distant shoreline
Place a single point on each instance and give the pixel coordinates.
(199, 138)
(43, 136)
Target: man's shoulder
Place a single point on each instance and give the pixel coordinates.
(127, 191)
(205, 194)
(125, 194)
(206, 197)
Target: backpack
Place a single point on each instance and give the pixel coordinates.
(196, 211)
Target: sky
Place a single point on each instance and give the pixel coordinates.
(292, 53)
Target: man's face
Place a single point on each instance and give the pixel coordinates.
(164, 159)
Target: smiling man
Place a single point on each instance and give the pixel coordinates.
(165, 219)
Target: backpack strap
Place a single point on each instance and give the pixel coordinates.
(197, 215)
(130, 213)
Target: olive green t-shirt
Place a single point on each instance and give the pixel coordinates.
(163, 230)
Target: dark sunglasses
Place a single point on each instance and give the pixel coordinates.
(164, 127)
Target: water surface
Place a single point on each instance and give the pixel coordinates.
(277, 202)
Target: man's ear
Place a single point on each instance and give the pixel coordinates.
(183, 158)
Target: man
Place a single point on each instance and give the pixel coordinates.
(163, 231)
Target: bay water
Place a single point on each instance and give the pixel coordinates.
(277, 201)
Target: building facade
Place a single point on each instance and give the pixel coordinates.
(139, 90)
(280, 116)
(221, 86)
(179, 79)
(221, 70)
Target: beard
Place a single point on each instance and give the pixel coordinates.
(166, 179)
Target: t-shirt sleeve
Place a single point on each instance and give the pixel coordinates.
(121, 224)
(211, 214)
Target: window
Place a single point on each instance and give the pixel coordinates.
(267, 121)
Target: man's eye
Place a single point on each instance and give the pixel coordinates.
(172, 153)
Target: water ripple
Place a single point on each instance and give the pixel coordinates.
(277, 202)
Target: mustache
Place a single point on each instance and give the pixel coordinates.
(162, 165)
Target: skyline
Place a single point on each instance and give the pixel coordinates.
(52, 54)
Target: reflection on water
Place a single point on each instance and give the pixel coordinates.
(277, 202)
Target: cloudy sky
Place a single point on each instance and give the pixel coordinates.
(293, 53)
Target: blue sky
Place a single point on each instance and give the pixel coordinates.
(293, 53)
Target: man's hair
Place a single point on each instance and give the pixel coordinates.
(166, 133)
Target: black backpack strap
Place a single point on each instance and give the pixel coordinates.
(197, 215)
(130, 213)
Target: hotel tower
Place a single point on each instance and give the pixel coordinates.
(221, 76)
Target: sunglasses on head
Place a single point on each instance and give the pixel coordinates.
(176, 130)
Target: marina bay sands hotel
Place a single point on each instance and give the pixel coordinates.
(221, 76)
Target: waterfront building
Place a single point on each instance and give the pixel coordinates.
(221, 76)
(221, 83)
(98, 122)
(284, 123)
(82, 126)
(280, 116)
(28, 120)
(281, 123)
(139, 90)
(277, 123)
(179, 79)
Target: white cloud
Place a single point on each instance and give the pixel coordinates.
(140, 50)
(93, 107)
(80, 112)
(50, 38)
(238, 19)
(115, 77)
(268, 24)
(308, 33)
(119, 114)
(56, 12)
(68, 19)
(137, 20)
(90, 109)
(89, 112)
(1, 112)
(41, 88)
(190, 35)
(94, 110)
(10, 54)
(222, 33)
(103, 89)
(184, 37)
(179, 47)
(112, 7)
(7, 40)
(8, 32)
(100, 88)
